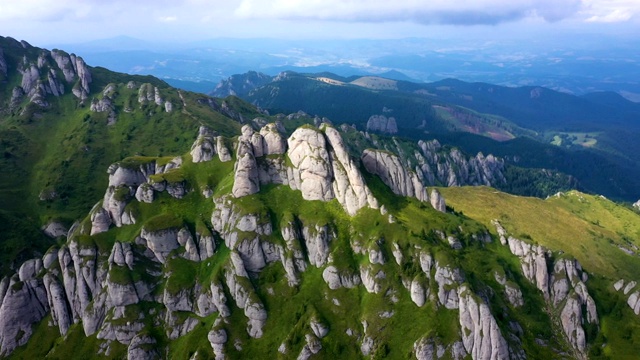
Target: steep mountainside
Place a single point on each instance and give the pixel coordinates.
(285, 247)
(62, 123)
(186, 227)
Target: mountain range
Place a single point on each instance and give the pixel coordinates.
(527, 126)
(141, 221)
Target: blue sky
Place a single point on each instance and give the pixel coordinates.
(43, 22)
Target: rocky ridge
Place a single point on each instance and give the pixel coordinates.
(52, 73)
(241, 84)
(437, 165)
(81, 282)
(320, 166)
(380, 123)
(562, 282)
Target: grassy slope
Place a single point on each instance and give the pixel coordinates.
(586, 226)
(590, 228)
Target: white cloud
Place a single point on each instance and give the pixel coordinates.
(168, 18)
(465, 12)
(611, 11)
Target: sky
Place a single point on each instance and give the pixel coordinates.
(43, 22)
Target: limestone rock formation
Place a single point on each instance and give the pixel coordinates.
(55, 229)
(312, 170)
(81, 90)
(40, 77)
(161, 242)
(391, 171)
(452, 168)
(437, 201)
(564, 287)
(336, 280)
(380, 123)
(448, 279)
(203, 148)
(223, 152)
(24, 303)
(246, 180)
(481, 335)
(274, 142)
(321, 167)
(634, 296)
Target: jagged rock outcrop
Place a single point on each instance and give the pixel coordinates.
(105, 104)
(564, 288)
(24, 303)
(335, 279)
(81, 90)
(142, 347)
(312, 170)
(433, 348)
(134, 179)
(312, 346)
(244, 232)
(317, 240)
(40, 77)
(481, 335)
(223, 152)
(320, 166)
(439, 166)
(203, 148)
(274, 142)
(391, 171)
(146, 93)
(217, 338)
(437, 201)
(349, 186)
(448, 278)
(533, 259)
(161, 242)
(246, 180)
(511, 290)
(380, 123)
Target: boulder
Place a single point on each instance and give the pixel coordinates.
(55, 229)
